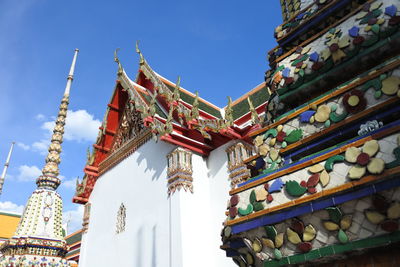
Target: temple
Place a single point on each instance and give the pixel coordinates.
(302, 169)
(39, 237)
(160, 154)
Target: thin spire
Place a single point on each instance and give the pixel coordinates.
(3, 175)
(50, 171)
(71, 73)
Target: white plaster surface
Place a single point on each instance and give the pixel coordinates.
(183, 230)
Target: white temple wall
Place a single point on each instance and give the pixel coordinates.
(139, 182)
(204, 211)
(181, 231)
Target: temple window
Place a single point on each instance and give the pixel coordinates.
(179, 170)
(121, 218)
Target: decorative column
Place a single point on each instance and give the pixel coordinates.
(86, 217)
(39, 238)
(3, 175)
(237, 169)
(179, 170)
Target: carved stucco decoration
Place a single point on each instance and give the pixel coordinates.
(130, 127)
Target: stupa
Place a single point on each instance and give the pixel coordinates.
(39, 238)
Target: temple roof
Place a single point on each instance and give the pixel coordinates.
(169, 113)
(8, 223)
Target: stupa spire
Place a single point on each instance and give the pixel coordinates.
(3, 175)
(49, 178)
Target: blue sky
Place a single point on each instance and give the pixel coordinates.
(217, 47)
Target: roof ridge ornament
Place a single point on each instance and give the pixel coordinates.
(176, 93)
(228, 116)
(89, 156)
(116, 59)
(195, 107)
(254, 115)
(159, 85)
(140, 53)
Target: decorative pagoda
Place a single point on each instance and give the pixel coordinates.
(39, 238)
(323, 186)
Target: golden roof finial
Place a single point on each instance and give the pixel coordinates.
(176, 94)
(229, 113)
(195, 107)
(139, 52)
(254, 115)
(116, 59)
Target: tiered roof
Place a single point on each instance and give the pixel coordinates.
(169, 113)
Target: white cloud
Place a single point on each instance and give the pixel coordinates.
(23, 146)
(80, 126)
(28, 173)
(12, 207)
(40, 117)
(49, 126)
(41, 146)
(69, 184)
(73, 218)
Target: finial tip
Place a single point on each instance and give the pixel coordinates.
(116, 55)
(137, 46)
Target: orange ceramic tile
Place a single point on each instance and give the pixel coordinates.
(235, 221)
(250, 159)
(386, 132)
(366, 179)
(339, 188)
(308, 198)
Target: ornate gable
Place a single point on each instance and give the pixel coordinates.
(131, 126)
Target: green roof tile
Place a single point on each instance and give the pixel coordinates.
(203, 106)
(74, 238)
(159, 111)
(257, 98)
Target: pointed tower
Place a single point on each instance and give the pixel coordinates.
(3, 175)
(39, 237)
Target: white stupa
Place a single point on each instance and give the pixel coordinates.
(39, 238)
